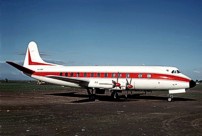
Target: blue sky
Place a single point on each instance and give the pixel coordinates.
(103, 32)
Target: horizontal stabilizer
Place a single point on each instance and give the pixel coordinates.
(21, 68)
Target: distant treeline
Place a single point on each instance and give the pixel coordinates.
(17, 81)
(199, 81)
(25, 81)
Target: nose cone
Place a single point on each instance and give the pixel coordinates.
(192, 84)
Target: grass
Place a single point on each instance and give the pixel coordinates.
(13, 86)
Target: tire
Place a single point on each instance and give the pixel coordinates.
(169, 99)
(115, 95)
(92, 97)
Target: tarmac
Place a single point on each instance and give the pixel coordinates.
(70, 113)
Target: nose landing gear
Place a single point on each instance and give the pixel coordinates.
(170, 98)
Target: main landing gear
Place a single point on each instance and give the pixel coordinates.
(115, 95)
(91, 94)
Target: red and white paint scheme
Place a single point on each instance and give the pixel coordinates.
(101, 78)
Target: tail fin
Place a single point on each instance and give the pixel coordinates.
(32, 57)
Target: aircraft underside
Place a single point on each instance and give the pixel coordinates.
(100, 87)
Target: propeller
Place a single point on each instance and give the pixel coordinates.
(128, 84)
(116, 83)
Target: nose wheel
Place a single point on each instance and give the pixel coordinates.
(170, 98)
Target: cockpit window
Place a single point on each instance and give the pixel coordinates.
(175, 72)
(178, 71)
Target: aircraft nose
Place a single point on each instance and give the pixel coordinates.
(192, 84)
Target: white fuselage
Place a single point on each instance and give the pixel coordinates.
(143, 77)
(104, 77)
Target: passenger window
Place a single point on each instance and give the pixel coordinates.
(113, 75)
(119, 75)
(71, 74)
(106, 74)
(139, 75)
(98, 74)
(148, 75)
(84, 74)
(77, 74)
(127, 75)
(92, 74)
(60, 73)
(66, 74)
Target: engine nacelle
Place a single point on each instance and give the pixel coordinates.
(104, 84)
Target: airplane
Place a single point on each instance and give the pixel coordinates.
(98, 79)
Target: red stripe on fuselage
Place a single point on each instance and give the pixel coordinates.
(110, 75)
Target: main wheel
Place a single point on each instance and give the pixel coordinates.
(115, 95)
(92, 97)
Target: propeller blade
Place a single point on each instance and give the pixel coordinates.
(116, 84)
(130, 80)
(128, 85)
(127, 81)
(117, 78)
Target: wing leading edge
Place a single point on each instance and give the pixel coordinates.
(81, 82)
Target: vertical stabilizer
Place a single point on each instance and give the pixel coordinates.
(32, 57)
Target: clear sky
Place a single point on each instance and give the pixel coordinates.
(103, 32)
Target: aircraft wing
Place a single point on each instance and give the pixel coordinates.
(81, 82)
